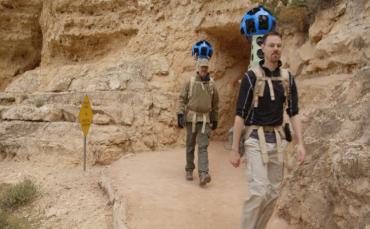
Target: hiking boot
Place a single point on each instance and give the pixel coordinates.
(189, 175)
(204, 178)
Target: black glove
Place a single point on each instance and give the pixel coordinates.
(214, 125)
(212, 118)
(180, 120)
(288, 134)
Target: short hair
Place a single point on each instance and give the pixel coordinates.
(273, 33)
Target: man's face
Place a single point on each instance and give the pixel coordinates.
(203, 71)
(272, 48)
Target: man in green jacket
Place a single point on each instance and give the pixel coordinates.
(198, 112)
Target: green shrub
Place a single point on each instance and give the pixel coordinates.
(18, 195)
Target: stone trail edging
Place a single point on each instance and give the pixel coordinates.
(115, 202)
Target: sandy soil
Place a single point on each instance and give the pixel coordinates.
(157, 195)
(151, 184)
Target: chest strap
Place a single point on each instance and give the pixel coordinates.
(261, 81)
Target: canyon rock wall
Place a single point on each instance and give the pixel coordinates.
(132, 57)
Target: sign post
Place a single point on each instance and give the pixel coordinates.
(86, 116)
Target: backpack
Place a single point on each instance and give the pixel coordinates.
(258, 91)
(192, 83)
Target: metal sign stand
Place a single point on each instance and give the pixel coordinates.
(86, 117)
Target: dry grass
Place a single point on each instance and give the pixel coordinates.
(13, 197)
(18, 195)
(8, 221)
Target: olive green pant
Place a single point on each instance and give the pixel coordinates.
(264, 184)
(202, 140)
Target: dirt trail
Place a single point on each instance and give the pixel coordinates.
(158, 196)
(152, 185)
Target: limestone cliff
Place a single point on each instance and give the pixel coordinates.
(20, 38)
(132, 56)
(332, 189)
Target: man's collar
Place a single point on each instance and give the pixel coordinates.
(271, 73)
(207, 78)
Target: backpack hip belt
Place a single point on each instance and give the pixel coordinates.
(279, 133)
(194, 120)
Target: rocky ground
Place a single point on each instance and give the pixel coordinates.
(68, 197)
(131, 58)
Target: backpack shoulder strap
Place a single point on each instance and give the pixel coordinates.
(259, 86)
(258, 72)
(192, 82)
(211, 85)
(284, 73)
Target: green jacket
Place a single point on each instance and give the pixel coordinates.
(203, 99)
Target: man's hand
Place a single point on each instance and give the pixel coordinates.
(301, 153)
(214, 125)
(181, 120)
(235, 158)
(297, 127)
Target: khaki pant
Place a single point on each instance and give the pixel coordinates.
(264, 184)
(202, 140)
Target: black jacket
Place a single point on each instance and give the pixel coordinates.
(268, 112)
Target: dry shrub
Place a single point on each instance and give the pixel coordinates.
(18, 195)
(13, 197)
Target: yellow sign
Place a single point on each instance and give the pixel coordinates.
(86, 115)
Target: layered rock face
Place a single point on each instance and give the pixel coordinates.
(132, 57)
(331, 190)
(20, 38)
(337, 41)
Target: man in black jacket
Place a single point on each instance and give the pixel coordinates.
(265, 92)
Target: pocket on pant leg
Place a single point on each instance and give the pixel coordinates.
(208, 130)
(275, 173)
(247, 145)
(203, 138)
(256, 170)
(275, 167)
(250, 142)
